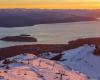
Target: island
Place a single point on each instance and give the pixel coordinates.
(20, 38)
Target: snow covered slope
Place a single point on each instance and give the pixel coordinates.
(82, 60)
(74, 64)
(30, 67)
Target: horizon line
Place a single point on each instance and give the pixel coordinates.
(53, 6)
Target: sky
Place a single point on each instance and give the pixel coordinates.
(51, 4)
(45, 1)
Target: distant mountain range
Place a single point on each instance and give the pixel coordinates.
(30, 17)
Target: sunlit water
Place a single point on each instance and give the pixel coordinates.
(59, 33)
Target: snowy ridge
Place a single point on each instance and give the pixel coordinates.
(82, 60)
(37, 69)
(74, 64)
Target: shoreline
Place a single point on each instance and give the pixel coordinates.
(42, 48)
(50, 23)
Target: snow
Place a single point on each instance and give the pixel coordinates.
(82, 60)
(74, 64)
(37, 69)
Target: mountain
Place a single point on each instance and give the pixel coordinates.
(75, 64)
(30, 17)
(83, 60)
(36, 69)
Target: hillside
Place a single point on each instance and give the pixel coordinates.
(30, 17)
(36, 69)
(74, 64)
(41, 48)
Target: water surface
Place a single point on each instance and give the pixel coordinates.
(59, 33)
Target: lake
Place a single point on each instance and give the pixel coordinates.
(59, 33)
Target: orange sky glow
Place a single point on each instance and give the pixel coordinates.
(53, 5)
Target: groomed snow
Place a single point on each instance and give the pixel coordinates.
(74, 64)
(37, 69)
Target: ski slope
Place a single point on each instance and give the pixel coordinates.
(74, 64)
(37, 69)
